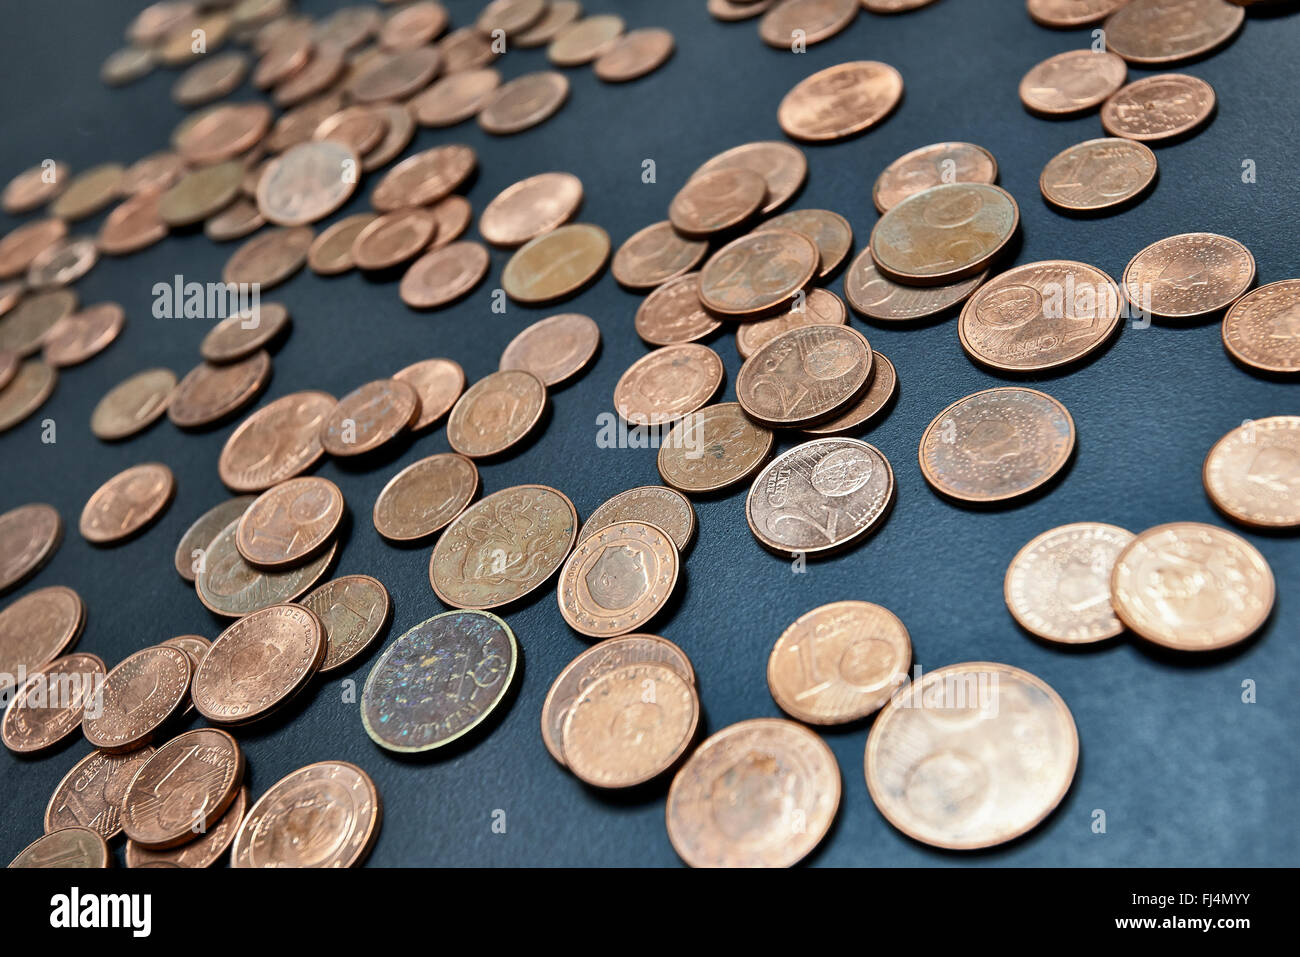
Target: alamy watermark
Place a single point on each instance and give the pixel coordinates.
(179, 299)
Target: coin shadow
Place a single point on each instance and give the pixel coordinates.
(1106, 211)
(1189, 322)
(1059, 372)
(380, 458)
(1020, 501)
(230, 416)
(578, 376)
(1186, 660)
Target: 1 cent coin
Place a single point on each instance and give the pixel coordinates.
(192, 549)
(353, 610)
(204, 851)
(78, 847)
(819, 308)
(127, 503)
(37, 628)
(290, 522)
(495, 413)
(879, 393)
(782, 165)
(424, 497)
(1189, 275)
(1252, 474)
(713, 449)
(133, 404)
(424, 178)
(554, 349)
(1098, 174)
(183, 789)
(90, 795)
(617, 579)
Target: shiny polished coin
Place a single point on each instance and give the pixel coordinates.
(554, 349)
(732, 802)
(617, 579)
(948, 761)
(524, 102)
(444, 275)
(324, 815)
(996, 445)
(290, 522)
(201, 193)
(139, 695)
(26, 392)
(51, 703)
(1252, 474)
(89, 192)
(1058, 586)
(929, 166)
(204, 851)
(62, 263)
(353, 609)
(495, 413)
(239, 219)
(713, 449)
(878, 394)
(819, 308)
(944, 234)
(25, 329)
(1262, 328)
(331, 251)
(34, 187)
(811, 21)
(243, 334)
(259, 663)
(502, 548)
(133, 225)
(438, 383)
(655, 255)
(716, 201)
(839, 662)
(423, 498)
(557, 264)
(393, 238)
(192, 549)
(820, 496)
(127, 503)
(29, 537)
(369, 417)
(78, 847)
(229, 586)
(269, 258)
(1064, 14)
(634, 54)
(90, 795)
(83, 335)
(190, 781)
(209, 393)
(804, 375)
(829, 231)
(455, 97)
(782, 165)
(20, 246)
(1189, 275)
(1072, 82)
(424, 178)
(1098, 174)
(133, 404)
(529, 208)
(1157, 108)
(667, 384)
(307, 182)
(1040, 316)
(439, 681)
(758, 273)
(840, 101)
(36, 628)
(654, 505)
(1156, 32)
(585, 40)
(673, 314)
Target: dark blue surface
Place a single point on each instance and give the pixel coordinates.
(1186, 773)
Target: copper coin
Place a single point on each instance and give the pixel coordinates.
(557, 264)
(820, 307)
(221, 132)
(331, 251)
(839, 662)
(20, 246)
(393, 238)
(258, 663)
(928, 166)
(502, 548)
(667, 384)
(820, 496)
(511, 17)
(811, 21)
(1064, 14)
(947, 761)
(439, 681)
(360, 128)
(524, 102)
(1157, 108)
(26, 393)
(558, 14)
(840, 101)
(369, 417)
(196, 647)
(62, 263)
(672, 313)
(1190, 275)
(349, 27)
(325, 65)
(996, 445)
(396, 76)
(713, 449)
(1252, 474)
(191, 551)
(211, 79)
(654, 505)
(278, 441)
(229, 586)
(133, 225)
(89, 192)
(1058, 586)
(1072, 82)
(204, 851)
(78, 337)
(34, 187)
(236, 221)
(127, 503)
(399, 131)
(782, 165)
(25, 329)
(209, 393)
(153, 173)
(133, 404)
(655, 255)
(413, 25)
(716, 201)
(721, 811)
(9, 364)
(139, 695)
(29, 537)
(1154, 32)
(343, 814)
(829, 231)
(465, 49)
(438, 383)
(424, 497)
(297, 125)
(894, 6)
(585, 40)
(243, 334)
(49, 706)
(11, 293)
(307, 183)
(804, 375)
(1098, 174)
(423, 178)
(290, 522)
(944, 234)
(179, 48)
(1262, 328)
(496, 412)
(183, 789)
(758, 273)
(270, 257)
(36, 628)
(456, 97)
(444, 275)
(617, 579)
(78, 847)
(530, 207)
(634, 54)
(201, 193)
(879, 393)
(90, 795)
(554, 349)
(155, 22)
(1040, 316)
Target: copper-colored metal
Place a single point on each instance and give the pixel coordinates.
(465, 49)
(558, 14)
(24, 330)
(673, 314)
(34, 187)
(133, 404)
(211, 79)
(81, 335)
(396, 76)
(369, 417)
(1157, 108)
(1262, 328)
(89, 192)
(353, 609)
(78, 847)
(617, 579)
(585, 40)
(29, 537)
(1065, 14)
(1072, 82)
(444, 275)
(201, 193)
(331, 251)
(139, 696)
(840, 101)
(829, 231)
(90, 795)
(183, 789)
(530, 207)
(524, 102)
(424, 497)
(229, 586)
(1098, 174)
(557, 264)
(713, 449)
(209, 393)
(554, 349)
(270, 257)
(36, 628)
(928, 166)
(438, 383)
(290, 522)
(1189, 275)
(239, 219)
(413, 25)
(204, 851)
(393, 238)
(127, 503)
(717, 201)
(133, 225)
(456, 97)
(52, 702)
(153, 173)
(62, 263)
(307, 182)
(278, 441)
(244, 334)
(1158, 32)
(26, 393)
(221, 132)
(944, 234)
(877, 396)
(655, 255)
(634, 54)
(667, 384)
(652, 504)
(782, 165)
(495, 413)
(20, 246)
(758, 273)
(1252, 474)
(511, 17)
(191, 551)
(819, 308)
(424, 178)
(805, 375)
(809, 20)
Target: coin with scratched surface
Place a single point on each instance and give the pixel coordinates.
(495, 413)
(996, 445)
(656, 254)
(1155, 32)
(503, 547)
(828, 230)
(1157, 108)
(945, 233)
(1189, 275)
(51, 704)
(191, 780)
(667, 384)
(26, 392)
(438, 383)
(90, 795)
(804, 375)
(1040, 316)
(323, 815)
(1252, 474)
(758, 273)
(209, 392)
(840, 101)
(617, 579)
(290, 522)
(243, 334)
(78, 847)
(819, 308)
(658, 506)
(139, 695)
(782, 165)
(424, 497)
(716, 201)
(191, 549)
(554, 349)
(1262, 328)
(29, 536)
(444, 274)
(439, 681)
(732, 802)
(972, 755)
(228, 585)
(127, 503)
(529, 208)
(673, 314)
(713, 449)
(929, 166)
(83, 335)
(1072, 82)
(36, 628)
(133, 404)
(353, 609)
(204, 851)
(307, 182)
(524, 102)
(556, 264)
(839, 662)
(1098, 174)
(820, 496)
(870, 403)
(1058, 586)
(369, 417)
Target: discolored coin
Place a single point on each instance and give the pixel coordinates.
(655, 255)
(138, 696)
(495, 413)
(654, 505)
(210, 393)
(228, 585)
(236, 221)
(809, 21)
(634, 54)
(713, 449)
(829, 231)
(805, 375)
(425, 496)
(438, 383)
(1064, 14)
(201, 193)
(667, 384)
(758, 273)
(89, 192)
(444, 275)
(78, 847)
(1157, 108)
(424, 178)
(20, 246)
(557, 264)
(878, 394)
(133, 225)
(241, 335)
(782, 165)
(819, 307)
(502, 548)
(36, 628)
(1189, 275)
(617, 579)
(191, 550)
(34, 187)
(204, 851)
(307, 182)
(189, 782)
(524, 102)
(1098, 175)
(24, 330)
(530, 207)
(948, 760)
(82, 335)
(944, 234)
(133, 404)
(393, 238)
(1262, 328)
(554, 349)
(455, 97)
(269, 258)
(1072, 82)
(331, 251)
(290, 522)
(1155, 32)
(439, 681)
(585, 40)
(29, 537)
(1252, 474)
(26, 392)
(673, 314)
(716, 201)
(732, 802)
(127, 503)
(369, 417)
(929, 166)
(90, 795)
(51, 703)
(840, 101)
(62, 263)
